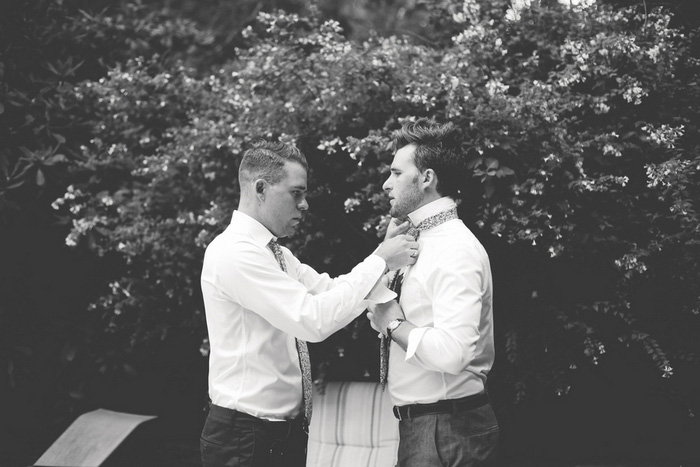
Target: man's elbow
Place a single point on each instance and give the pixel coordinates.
(315, 338)
(454, 367)
(457, 362)
(313, 335)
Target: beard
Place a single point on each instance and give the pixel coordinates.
(407, 202)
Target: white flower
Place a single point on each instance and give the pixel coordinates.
(351, 204)
(58, 203)
(577, 4)
(664, 135)
(634, 93)
(495, 87)
(516, 6)
(329, 145)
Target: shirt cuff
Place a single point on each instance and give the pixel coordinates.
(376, 261)
(414, 338)
(379, 294)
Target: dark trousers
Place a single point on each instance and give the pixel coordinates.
(464, 439)
(231, 438)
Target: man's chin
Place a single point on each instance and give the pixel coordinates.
(292, 231)
(396, 214)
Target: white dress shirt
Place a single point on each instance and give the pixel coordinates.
(447, 293)
(254, 311)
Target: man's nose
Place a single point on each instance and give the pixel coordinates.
(386, 186)
(304, 205)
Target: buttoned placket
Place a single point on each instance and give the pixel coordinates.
(397, 281)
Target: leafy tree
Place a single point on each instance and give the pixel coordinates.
(580, 126)
(46, 48)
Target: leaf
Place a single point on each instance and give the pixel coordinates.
(86, 15)
(474, 162)
(491, 163)
(56, 158)
(52, 69)
(489, 188)
(40, 178)
(69, 352)
(129, 369)
(504, 172)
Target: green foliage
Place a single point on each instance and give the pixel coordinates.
(580, 125)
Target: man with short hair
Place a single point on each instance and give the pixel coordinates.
(441, 329)
(262, 305)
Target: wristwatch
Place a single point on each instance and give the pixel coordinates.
(393, 324)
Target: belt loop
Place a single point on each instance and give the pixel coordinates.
(408, 412)
(397, 412)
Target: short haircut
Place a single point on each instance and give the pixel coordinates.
(266, 160)
(438, 147)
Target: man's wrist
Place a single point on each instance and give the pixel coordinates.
(375, 256)
(393, 325)
(386, 269)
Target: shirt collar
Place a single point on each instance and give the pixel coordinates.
(430, 209)
(258, 232)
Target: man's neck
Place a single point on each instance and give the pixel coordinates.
(429, 209)
(427, 199)
(251, 211)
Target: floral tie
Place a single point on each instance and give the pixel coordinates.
(397, 280)
(302, 348)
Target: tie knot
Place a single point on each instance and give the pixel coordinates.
(413, 231)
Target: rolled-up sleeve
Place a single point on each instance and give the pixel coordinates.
(455, 291)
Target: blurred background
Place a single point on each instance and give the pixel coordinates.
(122, 124)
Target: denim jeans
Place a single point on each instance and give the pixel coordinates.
(463, 439)
(234, 439)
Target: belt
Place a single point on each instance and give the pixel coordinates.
(446, 406)
(279, 427)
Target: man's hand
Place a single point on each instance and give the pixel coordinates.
(382, 314)
(399, 251)
(396, 227)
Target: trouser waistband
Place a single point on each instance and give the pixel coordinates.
(444, 406)
(226, 415)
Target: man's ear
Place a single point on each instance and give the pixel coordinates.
(429, 179)
(260, 188)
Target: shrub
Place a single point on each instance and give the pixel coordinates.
(580, 127)
(46, 48)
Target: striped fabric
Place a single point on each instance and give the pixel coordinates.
(352, 426)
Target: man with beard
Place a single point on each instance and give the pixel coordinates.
(441, 330)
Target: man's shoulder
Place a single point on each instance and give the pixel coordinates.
(456, 231)
(457, 240)
(232, 241)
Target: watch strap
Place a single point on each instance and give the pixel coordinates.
(389, 329)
